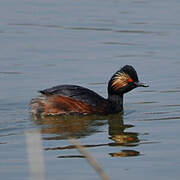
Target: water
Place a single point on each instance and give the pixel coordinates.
(46, 43)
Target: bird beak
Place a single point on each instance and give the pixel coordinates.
(139, 84)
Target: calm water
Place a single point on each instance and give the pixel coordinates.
(45, 43)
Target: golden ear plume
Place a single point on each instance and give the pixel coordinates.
(120, 80)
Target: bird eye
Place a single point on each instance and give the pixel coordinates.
(130, 80)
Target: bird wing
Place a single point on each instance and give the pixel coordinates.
(77, 92)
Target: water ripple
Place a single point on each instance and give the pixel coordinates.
(162, 119)
(145, 102)
(90, 28)
(140, 32)
(118, 43)
(170, 91)
(10, 72)
(171, 105)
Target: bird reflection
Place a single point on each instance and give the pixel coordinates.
(125, 153)
(60, 128)
(120, 137)
(74, 126)
(118, 134)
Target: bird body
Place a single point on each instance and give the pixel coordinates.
(73, 99)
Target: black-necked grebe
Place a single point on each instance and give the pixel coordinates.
(72, 99)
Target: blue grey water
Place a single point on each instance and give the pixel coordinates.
(45, 43)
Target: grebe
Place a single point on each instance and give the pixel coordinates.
(72, 99)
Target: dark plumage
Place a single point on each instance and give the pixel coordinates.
(77, 92)
(70, 99)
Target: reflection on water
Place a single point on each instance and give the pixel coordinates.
(117, 132)
(80, 126)
(69, 126)
(125, 153)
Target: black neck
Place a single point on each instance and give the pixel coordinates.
(115, 102)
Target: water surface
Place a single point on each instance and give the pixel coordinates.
(46, 43)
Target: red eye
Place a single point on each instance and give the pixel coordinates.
(130, 80)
